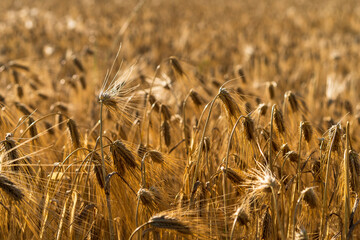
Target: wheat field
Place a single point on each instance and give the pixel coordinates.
(157, 119)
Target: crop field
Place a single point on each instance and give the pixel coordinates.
(155, 119)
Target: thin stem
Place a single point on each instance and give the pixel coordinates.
(233, 229)
(137, 229)
(277, 214)
(271, 136)
(184, 122)
(202, 143)
(146, 106)
(347, 182)
(107, 192)
(295, 213)
(323, 211)
(226, 168)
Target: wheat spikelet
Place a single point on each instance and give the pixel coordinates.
(262, 109)
(307, 131)
(33, 129)
(249, 129)
(266, 225)
(169, 223)
(165, 112)
(195, 97)
(78, 64)
(248, 107)
(43, 96)
(59, 121)
(22, 108)
(156, 156)
(285, 149)
(309, 197)
(241, 74)
(354, 166)
(150, 197)
(229, 103)
(19, 91)
(241, 217)
(59, 106)
(122, 157)
(292, 156)
(49, 128)
(98, 169)
(15, 76)
(291, 98)
(154, 103)
(235, 177)
(206, 145)
(335, 133)
(12, 153)
(73, 133)
(176, 65)
(271, 89)
(19, 66)
(10, 188)
(279, 121)
(165, 131)
(82, 81)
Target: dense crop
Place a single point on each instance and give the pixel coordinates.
(212, 120)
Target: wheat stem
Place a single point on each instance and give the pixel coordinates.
(347, 184)
(323, 210)
(107, 192)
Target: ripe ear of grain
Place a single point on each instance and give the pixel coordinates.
(10, 188)
(170, 223)
(73, 133)
(122, 157)
(165, 131)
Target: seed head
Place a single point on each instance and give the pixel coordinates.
(291, 99)
(22, 108)
(249, 129)
(235, 177)
(309, 197)
(19, 91)
(98, 169)
(241, 217)
(292, 156)
(170, 223)
(122, 157)
(74, 133)
(10, 188)
(229, 103)
(240, 72)
(165, 132)
(12, 153)
(271, 89)
(195, 97)
(335, 132)
(33, 129)
(117, 94)
(156, 156)
(306, 131)
(279, 121)
(176, 65)
(266, 225)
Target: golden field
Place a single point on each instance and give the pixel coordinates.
(179, 119)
